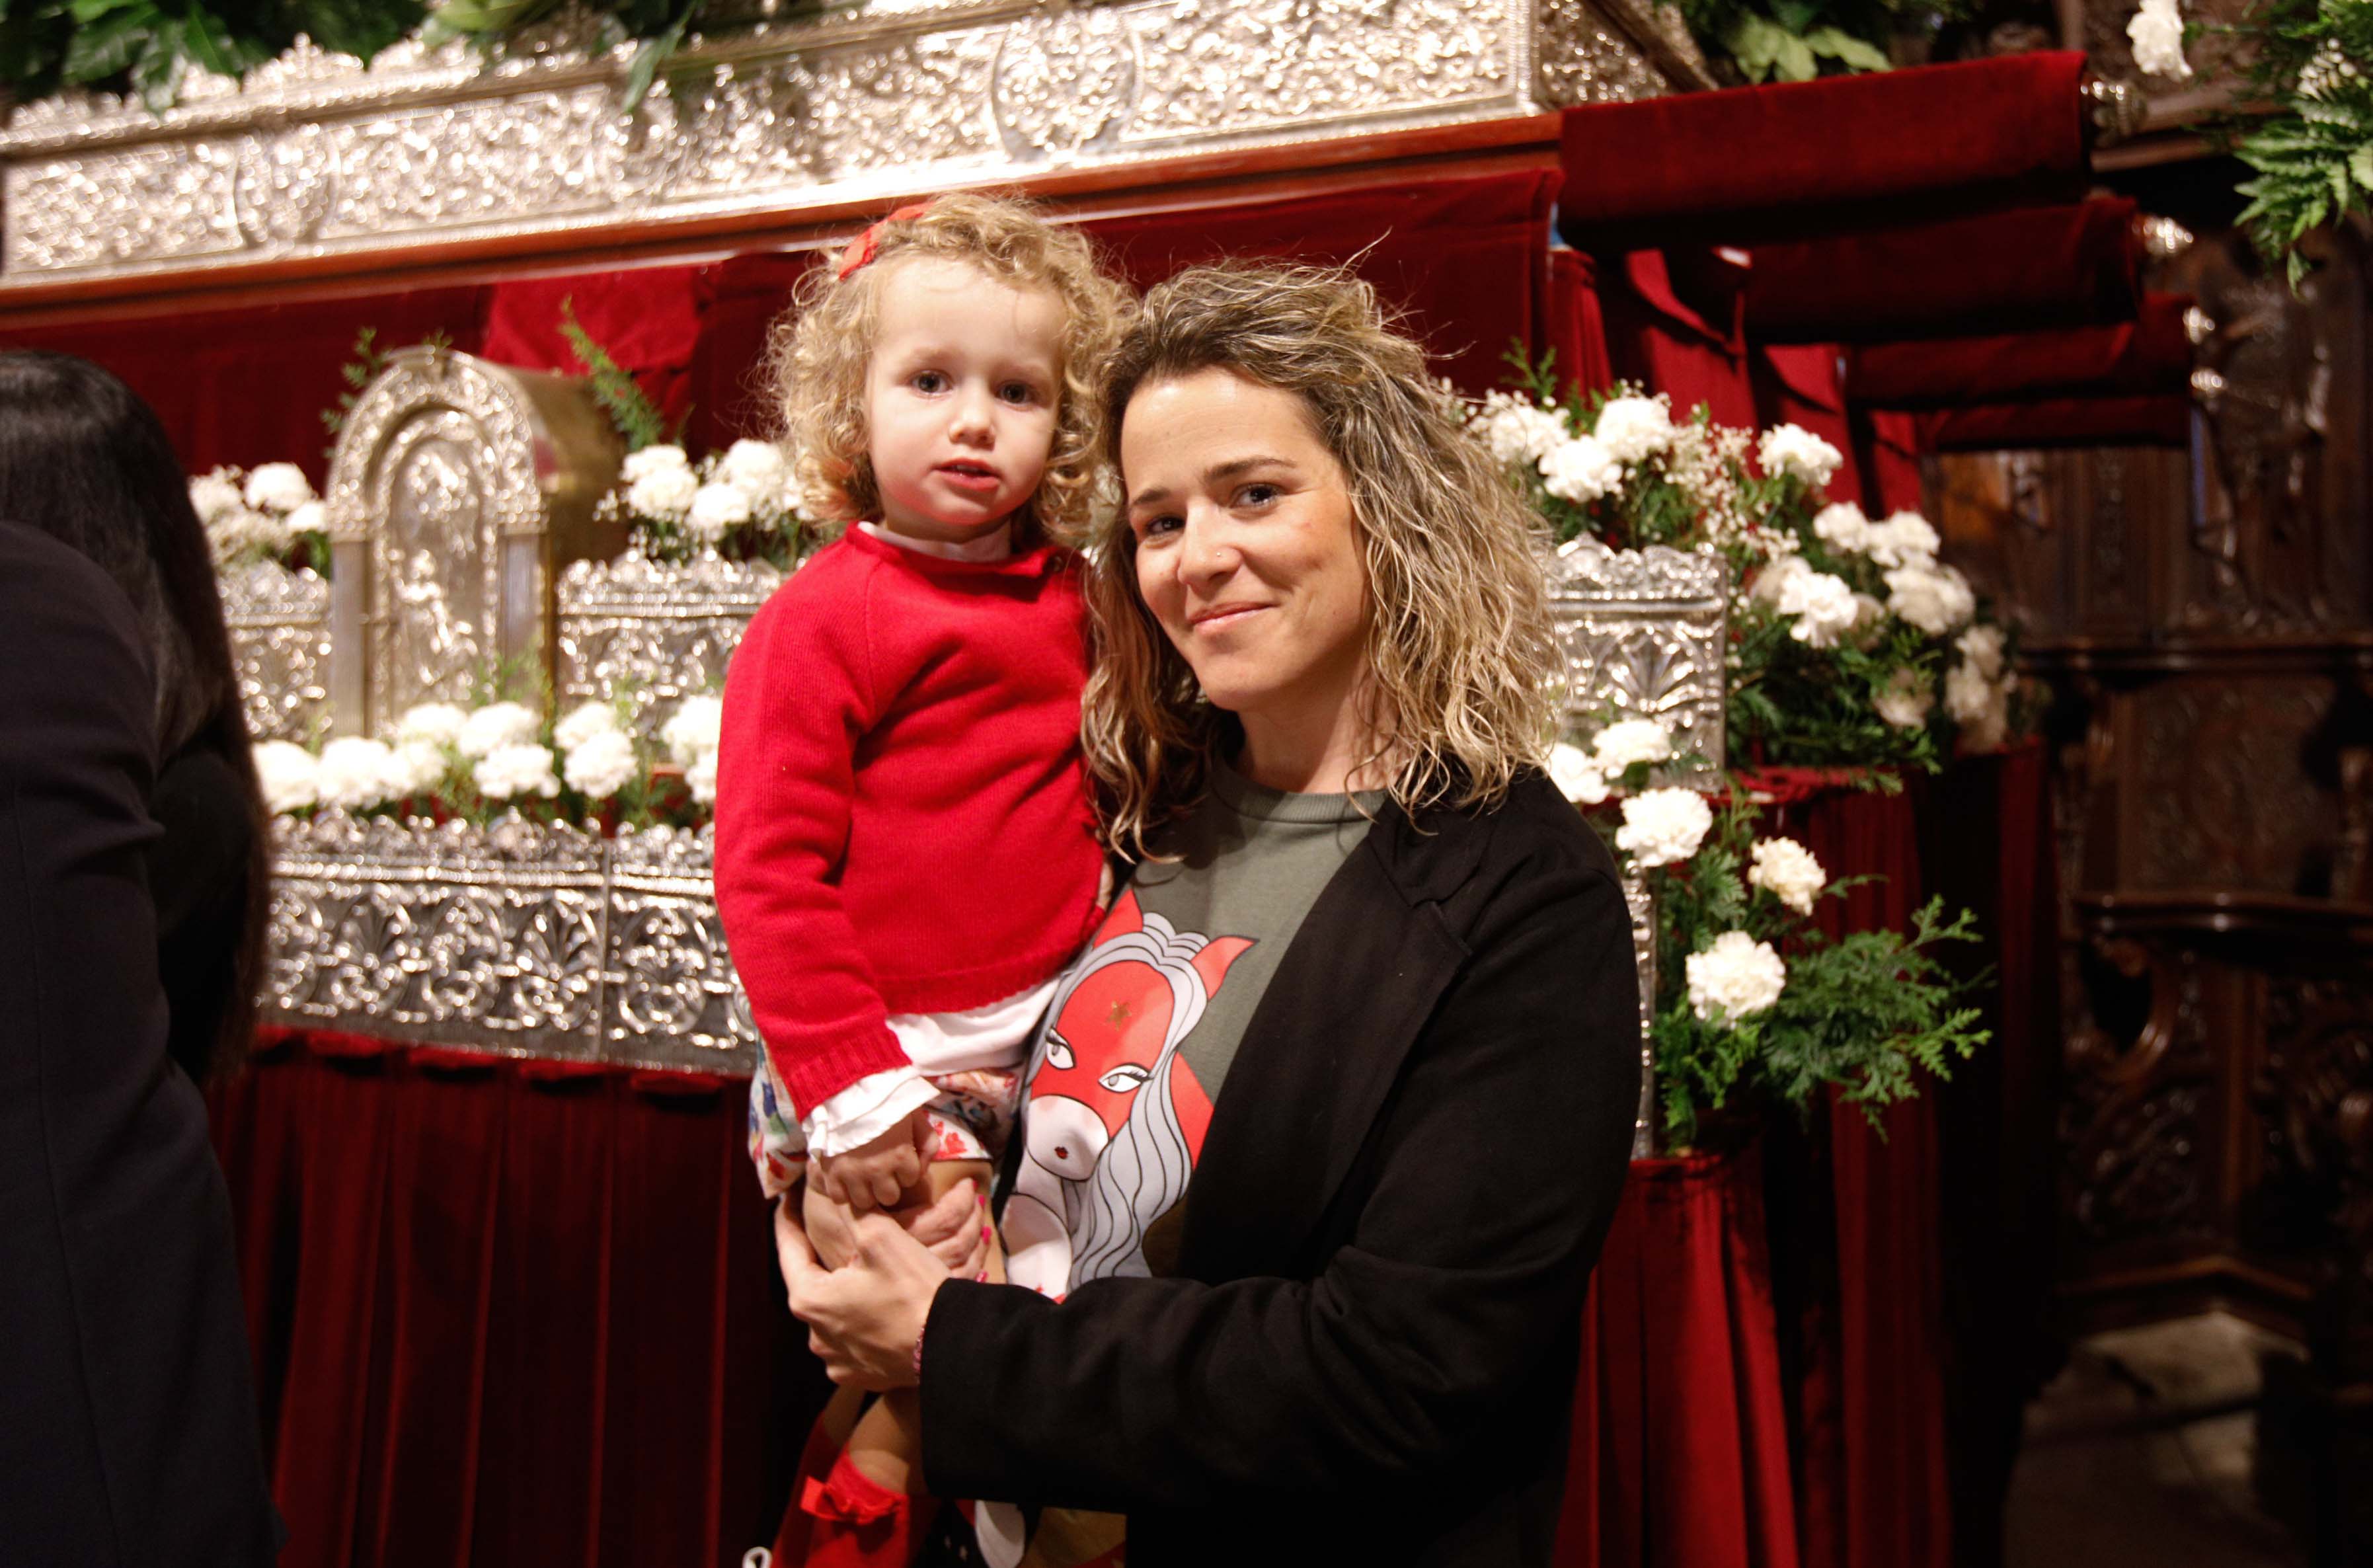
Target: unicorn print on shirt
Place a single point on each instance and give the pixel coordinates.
(1113, 1117)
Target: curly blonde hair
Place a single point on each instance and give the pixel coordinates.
(1458, 697)
(821, 351)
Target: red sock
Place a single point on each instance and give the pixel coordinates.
(850, 1521)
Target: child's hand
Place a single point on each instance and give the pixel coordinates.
(872, 1176)
(955, 1229)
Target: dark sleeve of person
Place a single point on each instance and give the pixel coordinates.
(197, 875)
(130, 1433)
(1499, 1161)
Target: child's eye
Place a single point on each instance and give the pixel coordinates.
(1018, 392)
(927, 382)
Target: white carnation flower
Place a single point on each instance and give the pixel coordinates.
(1581, 470)
(439, 723)
(1577, 780)
(1982, 646)
(715, 508)
(215, 498)
(700, 776)
(512, 770)
(1842, 528)
(1771, 582)
(601, 765)
(1617, 746)
(285, 773)
(2156, 29)
(418, 766)
(1734, 979)
(1905, 539)
(1824, 607)
(1980, 704)
(1634, 427)
(496, 725)
(354, 774)
(1661, 826)
(641, 466)
(313, 517)
(755, 468)
(693, 729)
(1790, 870)
(583, 722)
(278, 487)
(1934, 599)
(1791, 448)
(1904, 701)
(1518, 429)
(662, 493)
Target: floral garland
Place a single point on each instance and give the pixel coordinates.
(268, 515)
(446, 761)
(1845, 628)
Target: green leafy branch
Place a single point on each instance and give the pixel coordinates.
(2313, 154)
(630, 409)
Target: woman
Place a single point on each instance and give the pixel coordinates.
(1324, 1131)
(130, 1433)
(83, 460)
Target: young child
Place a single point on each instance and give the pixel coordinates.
(906, 853)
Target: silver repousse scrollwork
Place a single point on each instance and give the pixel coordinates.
(519, 938)
(1643, 633)
(279, 623)
(487, 937)
(315, 154)
(652, 632)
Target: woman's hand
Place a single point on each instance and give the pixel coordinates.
(864, 1320)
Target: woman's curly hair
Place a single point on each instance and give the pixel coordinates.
(820, 354)
(1461, 658)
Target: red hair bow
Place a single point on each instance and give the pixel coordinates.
(861, 249)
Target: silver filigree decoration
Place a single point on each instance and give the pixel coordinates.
(1642, 633)
(658, 633)
(279, 623)
(316, 153)
(518, 938)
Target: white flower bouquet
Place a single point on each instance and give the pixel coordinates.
(444, 762)
(268, 513)
(741, 504)
(1845, 627)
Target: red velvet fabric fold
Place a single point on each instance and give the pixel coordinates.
(2142, 421)
(649, 319)
(2004, 271)
(1672, 326)
(2150, 355)
(1577, 331)
(1806, 158)
(1680, 1446)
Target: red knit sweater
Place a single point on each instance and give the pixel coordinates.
(902, 813)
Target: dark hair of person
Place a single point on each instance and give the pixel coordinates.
(84, 461)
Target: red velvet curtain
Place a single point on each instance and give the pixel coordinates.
(1681, 1443)
(506, 1313)
(2151, 354)
(1800, 157)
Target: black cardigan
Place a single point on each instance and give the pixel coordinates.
(1368, 1353)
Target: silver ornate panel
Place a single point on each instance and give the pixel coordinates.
(1642, 903)
(519, 938)
(279, 624)
(490, 939)
(1645, 632)
(655, 632)
(316, 155)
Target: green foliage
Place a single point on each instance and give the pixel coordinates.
(2313, 154)
(637, 418)
(1794, 41)
(1870, 1014)
(369, 364)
